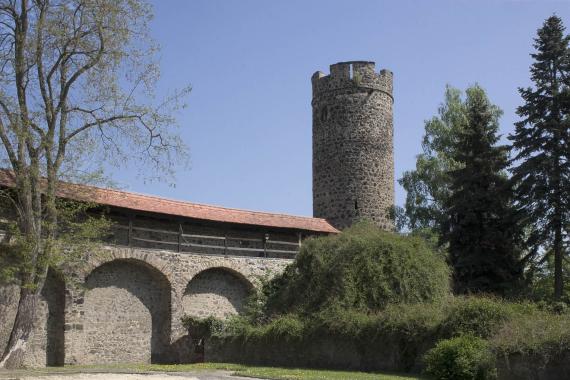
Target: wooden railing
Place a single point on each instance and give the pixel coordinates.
(180, 241)
(222, 245)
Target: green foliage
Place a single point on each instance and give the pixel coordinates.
(411, 329)
(81, 227)
(540, 333)
(482, 226)
(202, 327)
(481, 317)
(285, 328)
(461, 358)
(541, 278)
(427, 186)
(363, 268)
(541, 140)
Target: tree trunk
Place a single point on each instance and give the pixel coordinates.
(13, 356)
(558, 279)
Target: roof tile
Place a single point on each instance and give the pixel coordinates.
(148, 203)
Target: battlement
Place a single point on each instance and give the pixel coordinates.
(350, 75)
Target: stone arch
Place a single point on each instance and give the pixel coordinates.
(109, 254)
(127, 313)
(216, 291)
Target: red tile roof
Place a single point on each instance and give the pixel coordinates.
(148, 203)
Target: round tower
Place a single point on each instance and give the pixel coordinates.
(353, 159)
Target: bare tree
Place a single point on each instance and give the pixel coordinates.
(76, 87)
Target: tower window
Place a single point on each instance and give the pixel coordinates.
(356, 205)
(324, 114)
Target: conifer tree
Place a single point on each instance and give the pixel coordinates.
(483, 229)
(542, 143)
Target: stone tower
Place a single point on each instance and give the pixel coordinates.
(353, 160)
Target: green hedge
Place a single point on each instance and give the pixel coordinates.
(412, 329)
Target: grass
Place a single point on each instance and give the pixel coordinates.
(315, 374)
(237, 369)
(280, 373)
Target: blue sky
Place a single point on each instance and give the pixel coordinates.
(248, 124)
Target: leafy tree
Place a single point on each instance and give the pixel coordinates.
(76, 88)
(482, 229)
(427, 186)
(542, 144)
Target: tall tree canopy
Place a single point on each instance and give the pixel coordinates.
(482, 228)
(76, 87)
(542, 144)
(427, 186)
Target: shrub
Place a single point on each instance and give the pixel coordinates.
(478, 316)
(363, 268)
(286, 327)
(411, 323)
(461, 358)
(540, 333)
(202, 327)
(336, 321)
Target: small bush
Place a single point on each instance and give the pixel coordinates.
(478, 316)
(202, 327)
(286, 327)
(462, 358)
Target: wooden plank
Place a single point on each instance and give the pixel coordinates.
(245, 249)
(154, 230)
(282, 242)
(244, 239)
(281, 251)
(154, 241)
(237, 248)
(180, 232)
(130, 236)
(204, 237)
(202, 245)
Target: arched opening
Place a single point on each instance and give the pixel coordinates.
(53, 294)
(218, 292)
(127, 313)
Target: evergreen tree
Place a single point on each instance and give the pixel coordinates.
(542, 143)
(482, 229)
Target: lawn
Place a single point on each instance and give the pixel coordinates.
(237, 369)
(280, 373)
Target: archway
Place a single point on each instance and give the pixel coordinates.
(218, 292)
(127, 313)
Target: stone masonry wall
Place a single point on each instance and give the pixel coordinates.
(126, 314)
(126, 305)
(131, 307)
(216, 292)
(353, 163)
